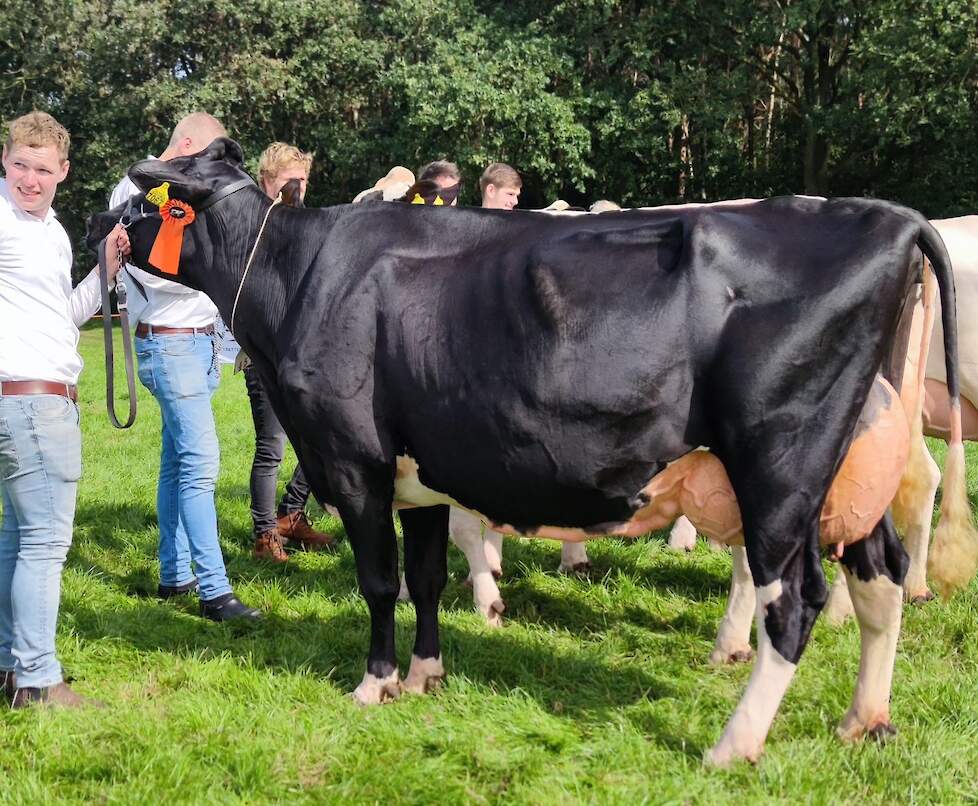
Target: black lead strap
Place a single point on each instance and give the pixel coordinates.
(223, 193)
(120, 289)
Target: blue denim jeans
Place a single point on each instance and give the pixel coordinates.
(40, 464)
(181, 371)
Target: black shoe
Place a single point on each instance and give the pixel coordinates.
(226, 608)
(169, 591)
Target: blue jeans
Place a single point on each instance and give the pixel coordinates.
(40, 464)
(181, 371)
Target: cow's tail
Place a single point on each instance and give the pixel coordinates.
(954, 554)
(916, 478)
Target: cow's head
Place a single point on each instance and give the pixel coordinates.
(170, 191)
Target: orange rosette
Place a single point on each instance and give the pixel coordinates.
(165, 254)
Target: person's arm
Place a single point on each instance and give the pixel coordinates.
(86, 298)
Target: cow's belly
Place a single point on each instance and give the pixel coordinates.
(697, 485)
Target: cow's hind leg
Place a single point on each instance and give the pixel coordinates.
(786, 610)
(839, 606)
(875, 569)
(733, 637)
(466, 533)
(426, 570)
(370, 529)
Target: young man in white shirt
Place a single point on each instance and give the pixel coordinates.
(177, 354)
(40, 438)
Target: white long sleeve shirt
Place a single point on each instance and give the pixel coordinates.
(166, 303)
(39, 312)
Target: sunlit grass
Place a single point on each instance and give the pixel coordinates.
(596, 690)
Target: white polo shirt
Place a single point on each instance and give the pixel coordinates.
(165, 303)
(39, 313)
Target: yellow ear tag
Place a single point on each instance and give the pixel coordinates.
(417, 199)
(159, 195)
(438, 202)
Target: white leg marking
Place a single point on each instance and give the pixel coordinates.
(733, 637)
(917, 538)
(879, 605)
(683, 535)
(424, 676)
(747, 729)
(466, 531)
(376, 690)
(839, 606)
(573, 558)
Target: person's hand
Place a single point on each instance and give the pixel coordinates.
(241, 361)
(117, 242)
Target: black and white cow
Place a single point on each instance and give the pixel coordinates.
(545, 371)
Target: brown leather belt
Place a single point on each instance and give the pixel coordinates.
(143, 330)
(39, 388)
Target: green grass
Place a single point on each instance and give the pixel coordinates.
(595, 691)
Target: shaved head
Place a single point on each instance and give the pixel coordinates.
(193, 133)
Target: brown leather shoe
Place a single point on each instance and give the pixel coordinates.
(268, 546)
(59, 695)
(295, 527)
(9, 680)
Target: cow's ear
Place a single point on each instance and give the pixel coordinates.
(224, 148)
(148, 174)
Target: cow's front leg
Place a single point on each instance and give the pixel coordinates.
(786, 610)
(370, 529)
(466, 533)
(875, 569)
(426, 571)
(733, 637)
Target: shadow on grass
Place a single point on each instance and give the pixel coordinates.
(576, 685)
(586, 684)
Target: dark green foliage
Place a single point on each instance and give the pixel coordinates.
(641, 102)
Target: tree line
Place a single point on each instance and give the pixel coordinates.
(643, 101)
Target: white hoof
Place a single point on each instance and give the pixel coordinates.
(878, 727)
(576, 569)
(720, 656)
(493, 613)
(424, 676)
(721, 755)
(376, 690)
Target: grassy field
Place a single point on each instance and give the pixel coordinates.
(595, 691)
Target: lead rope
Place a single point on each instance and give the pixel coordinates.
(251, 257)
(120, 290)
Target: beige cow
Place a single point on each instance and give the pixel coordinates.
(914, 504)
